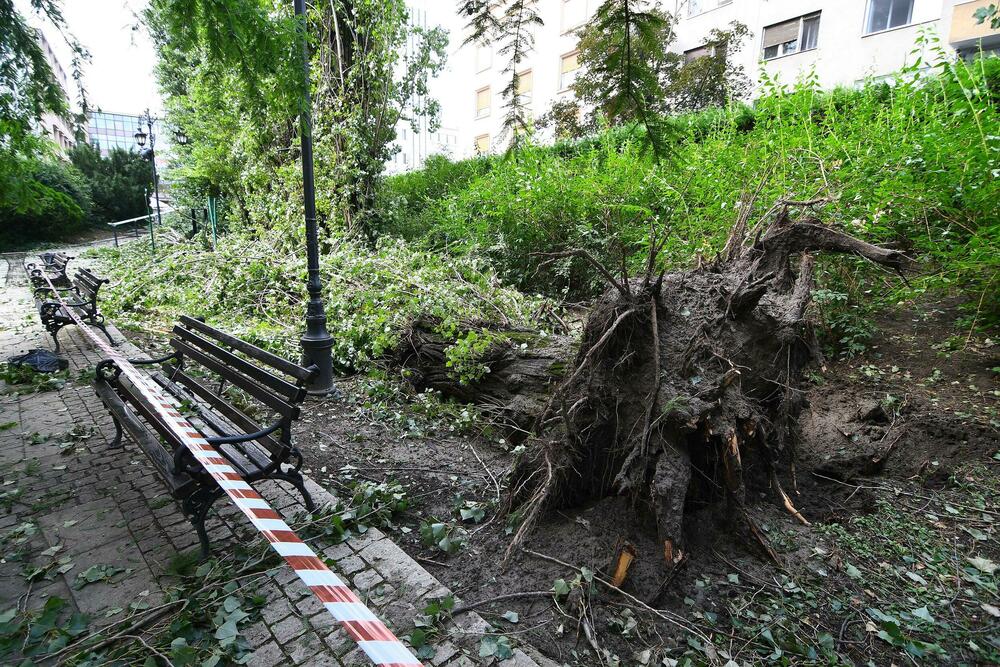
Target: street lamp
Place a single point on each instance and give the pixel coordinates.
(181, 138)
(317, 342)
(140, 138)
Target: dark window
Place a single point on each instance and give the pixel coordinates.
(799, 34)
(886, 14)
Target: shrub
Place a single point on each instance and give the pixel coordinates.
(55, 205)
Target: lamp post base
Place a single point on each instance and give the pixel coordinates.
(316, 350)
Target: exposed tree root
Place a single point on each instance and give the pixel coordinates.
(685, 386)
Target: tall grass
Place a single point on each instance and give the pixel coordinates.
(913, 162)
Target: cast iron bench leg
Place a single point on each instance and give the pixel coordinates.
(294, 477)
(116, 443)
(196, 506)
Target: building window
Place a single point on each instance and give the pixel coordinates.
(799, 34)
(569, 66)
(886, 14)
(484, 57)
(574, 13)
(525, 84)
(700, 52)
(482, 144)
(483, 102)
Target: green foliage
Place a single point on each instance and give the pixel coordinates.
(428, 626)
(54, 203)
(991, 13)
(118, 183)
(254, 287)
(29, 90)
(913, 164)
(240, 110)
(47, 630)
(443, 536)
(622, 52)
(26, 380)
(463, 357)
(711, 80)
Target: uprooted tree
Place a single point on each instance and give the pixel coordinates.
(685, 385)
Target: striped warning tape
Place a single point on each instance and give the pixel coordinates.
(371, 635)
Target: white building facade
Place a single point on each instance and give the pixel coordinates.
(546, 75)
(51, 125)
(843, 41)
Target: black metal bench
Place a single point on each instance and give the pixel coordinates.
(223, 386)
(81, 296)
(54, 265)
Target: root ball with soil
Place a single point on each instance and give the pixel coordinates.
(685, 390)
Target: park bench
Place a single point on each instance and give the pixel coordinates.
(81, 296)
(223, 386)
(53, 265)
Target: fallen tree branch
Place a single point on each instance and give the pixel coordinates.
(461, 609)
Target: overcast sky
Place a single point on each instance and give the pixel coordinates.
(120, 74)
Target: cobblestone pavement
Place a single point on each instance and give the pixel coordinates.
(97, 506)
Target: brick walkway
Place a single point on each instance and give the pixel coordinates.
(107, 507)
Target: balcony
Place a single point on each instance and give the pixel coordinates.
(966, 33)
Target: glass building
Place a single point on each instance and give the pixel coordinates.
(113, 130)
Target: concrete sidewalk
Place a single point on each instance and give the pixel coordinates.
(69, 503)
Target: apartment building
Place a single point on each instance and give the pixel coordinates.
(843, 41)
(545, 75)
(51, 125)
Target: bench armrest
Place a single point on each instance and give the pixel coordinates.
(230, 439)
(158, 360)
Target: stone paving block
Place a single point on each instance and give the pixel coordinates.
(363, 581)
(268, 655)
(288, 629)
(257, 634)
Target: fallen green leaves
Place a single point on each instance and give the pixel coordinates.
(97, 573)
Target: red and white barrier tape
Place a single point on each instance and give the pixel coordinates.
(371, 635)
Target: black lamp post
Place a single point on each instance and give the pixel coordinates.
(317, 341)
(150, 154)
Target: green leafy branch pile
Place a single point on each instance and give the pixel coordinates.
(254, 287)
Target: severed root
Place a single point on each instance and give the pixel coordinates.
(788, 501)
(761, 539)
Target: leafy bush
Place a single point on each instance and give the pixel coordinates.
(54, 203)
(118, 182)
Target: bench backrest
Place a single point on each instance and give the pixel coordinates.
(88, 285)
(56, 260)
(274, 383)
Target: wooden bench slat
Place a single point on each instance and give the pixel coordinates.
(271, 400)
(285, 388)
(181, 383)
(263, 356)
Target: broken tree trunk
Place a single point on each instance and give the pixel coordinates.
(685, 386)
